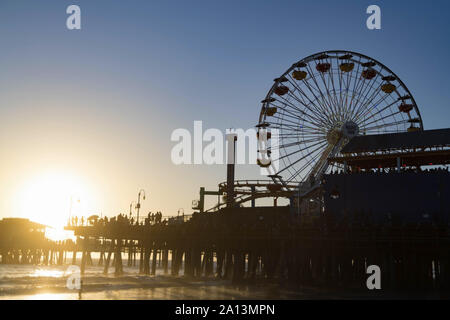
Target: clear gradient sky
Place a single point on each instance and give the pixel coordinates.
(92, 110)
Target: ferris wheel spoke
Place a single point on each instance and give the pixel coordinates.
(317, 87)
(283, 126)
(321, 105)
(374, 115)
(333, 104)
(350, 79)
(315, 125)
(364, 107)
(318, 112)
(347, 88)
(291, 122)
(314, 86)
(289, 142)
(295, 124)
(303, 133)
(362, 101)
(356, 85)
(286, 126)
(291, 166)
(301, 139)
(365, 100)
(338, 100)
(383, 118)
(380, 119)
(307, 164)
(396, 123)
(332, 93)
(341, 83)
(296, 135)
(319, 108)
(293, 144)
(303, 149)
(306, 117)
(356, 97)
(287, 103)
(301, 102)
(296, 116)
(367, 111)
(310, 171)
(367, 84)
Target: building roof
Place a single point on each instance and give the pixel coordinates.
(20, 222)
(389, 160)
(396, 141)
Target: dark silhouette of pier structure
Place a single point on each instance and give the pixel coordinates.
(330, 242)
(24, 242)
(246, 245)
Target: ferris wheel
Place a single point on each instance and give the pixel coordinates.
(320, 103)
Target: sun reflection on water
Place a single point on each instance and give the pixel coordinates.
(48, 273)
(50, 296)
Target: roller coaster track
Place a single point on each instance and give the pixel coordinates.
(248, 190)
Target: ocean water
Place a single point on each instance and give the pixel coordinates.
(27, 282)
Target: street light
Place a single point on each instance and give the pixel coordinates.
(138, 205)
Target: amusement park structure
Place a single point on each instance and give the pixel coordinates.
(336, 111)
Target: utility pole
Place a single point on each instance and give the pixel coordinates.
(231, 159)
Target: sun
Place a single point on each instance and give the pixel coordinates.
(50, 198)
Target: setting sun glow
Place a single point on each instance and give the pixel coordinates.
(50, 198)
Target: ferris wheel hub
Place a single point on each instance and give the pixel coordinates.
(347, 130)
(334, 135)
(350, 129)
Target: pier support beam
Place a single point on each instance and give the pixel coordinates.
(108, 259)
(155, 252)
(165, 260)
(118, 259)
(147, 252)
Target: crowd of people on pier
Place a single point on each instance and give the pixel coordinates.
(390, 171)
(122, 219)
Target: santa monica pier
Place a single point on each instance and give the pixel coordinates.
(366, 184)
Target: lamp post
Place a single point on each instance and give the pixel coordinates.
(138, 204)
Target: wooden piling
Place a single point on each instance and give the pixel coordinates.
(118, 259)
(155, 253)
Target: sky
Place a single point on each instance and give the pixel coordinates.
(88, 114)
